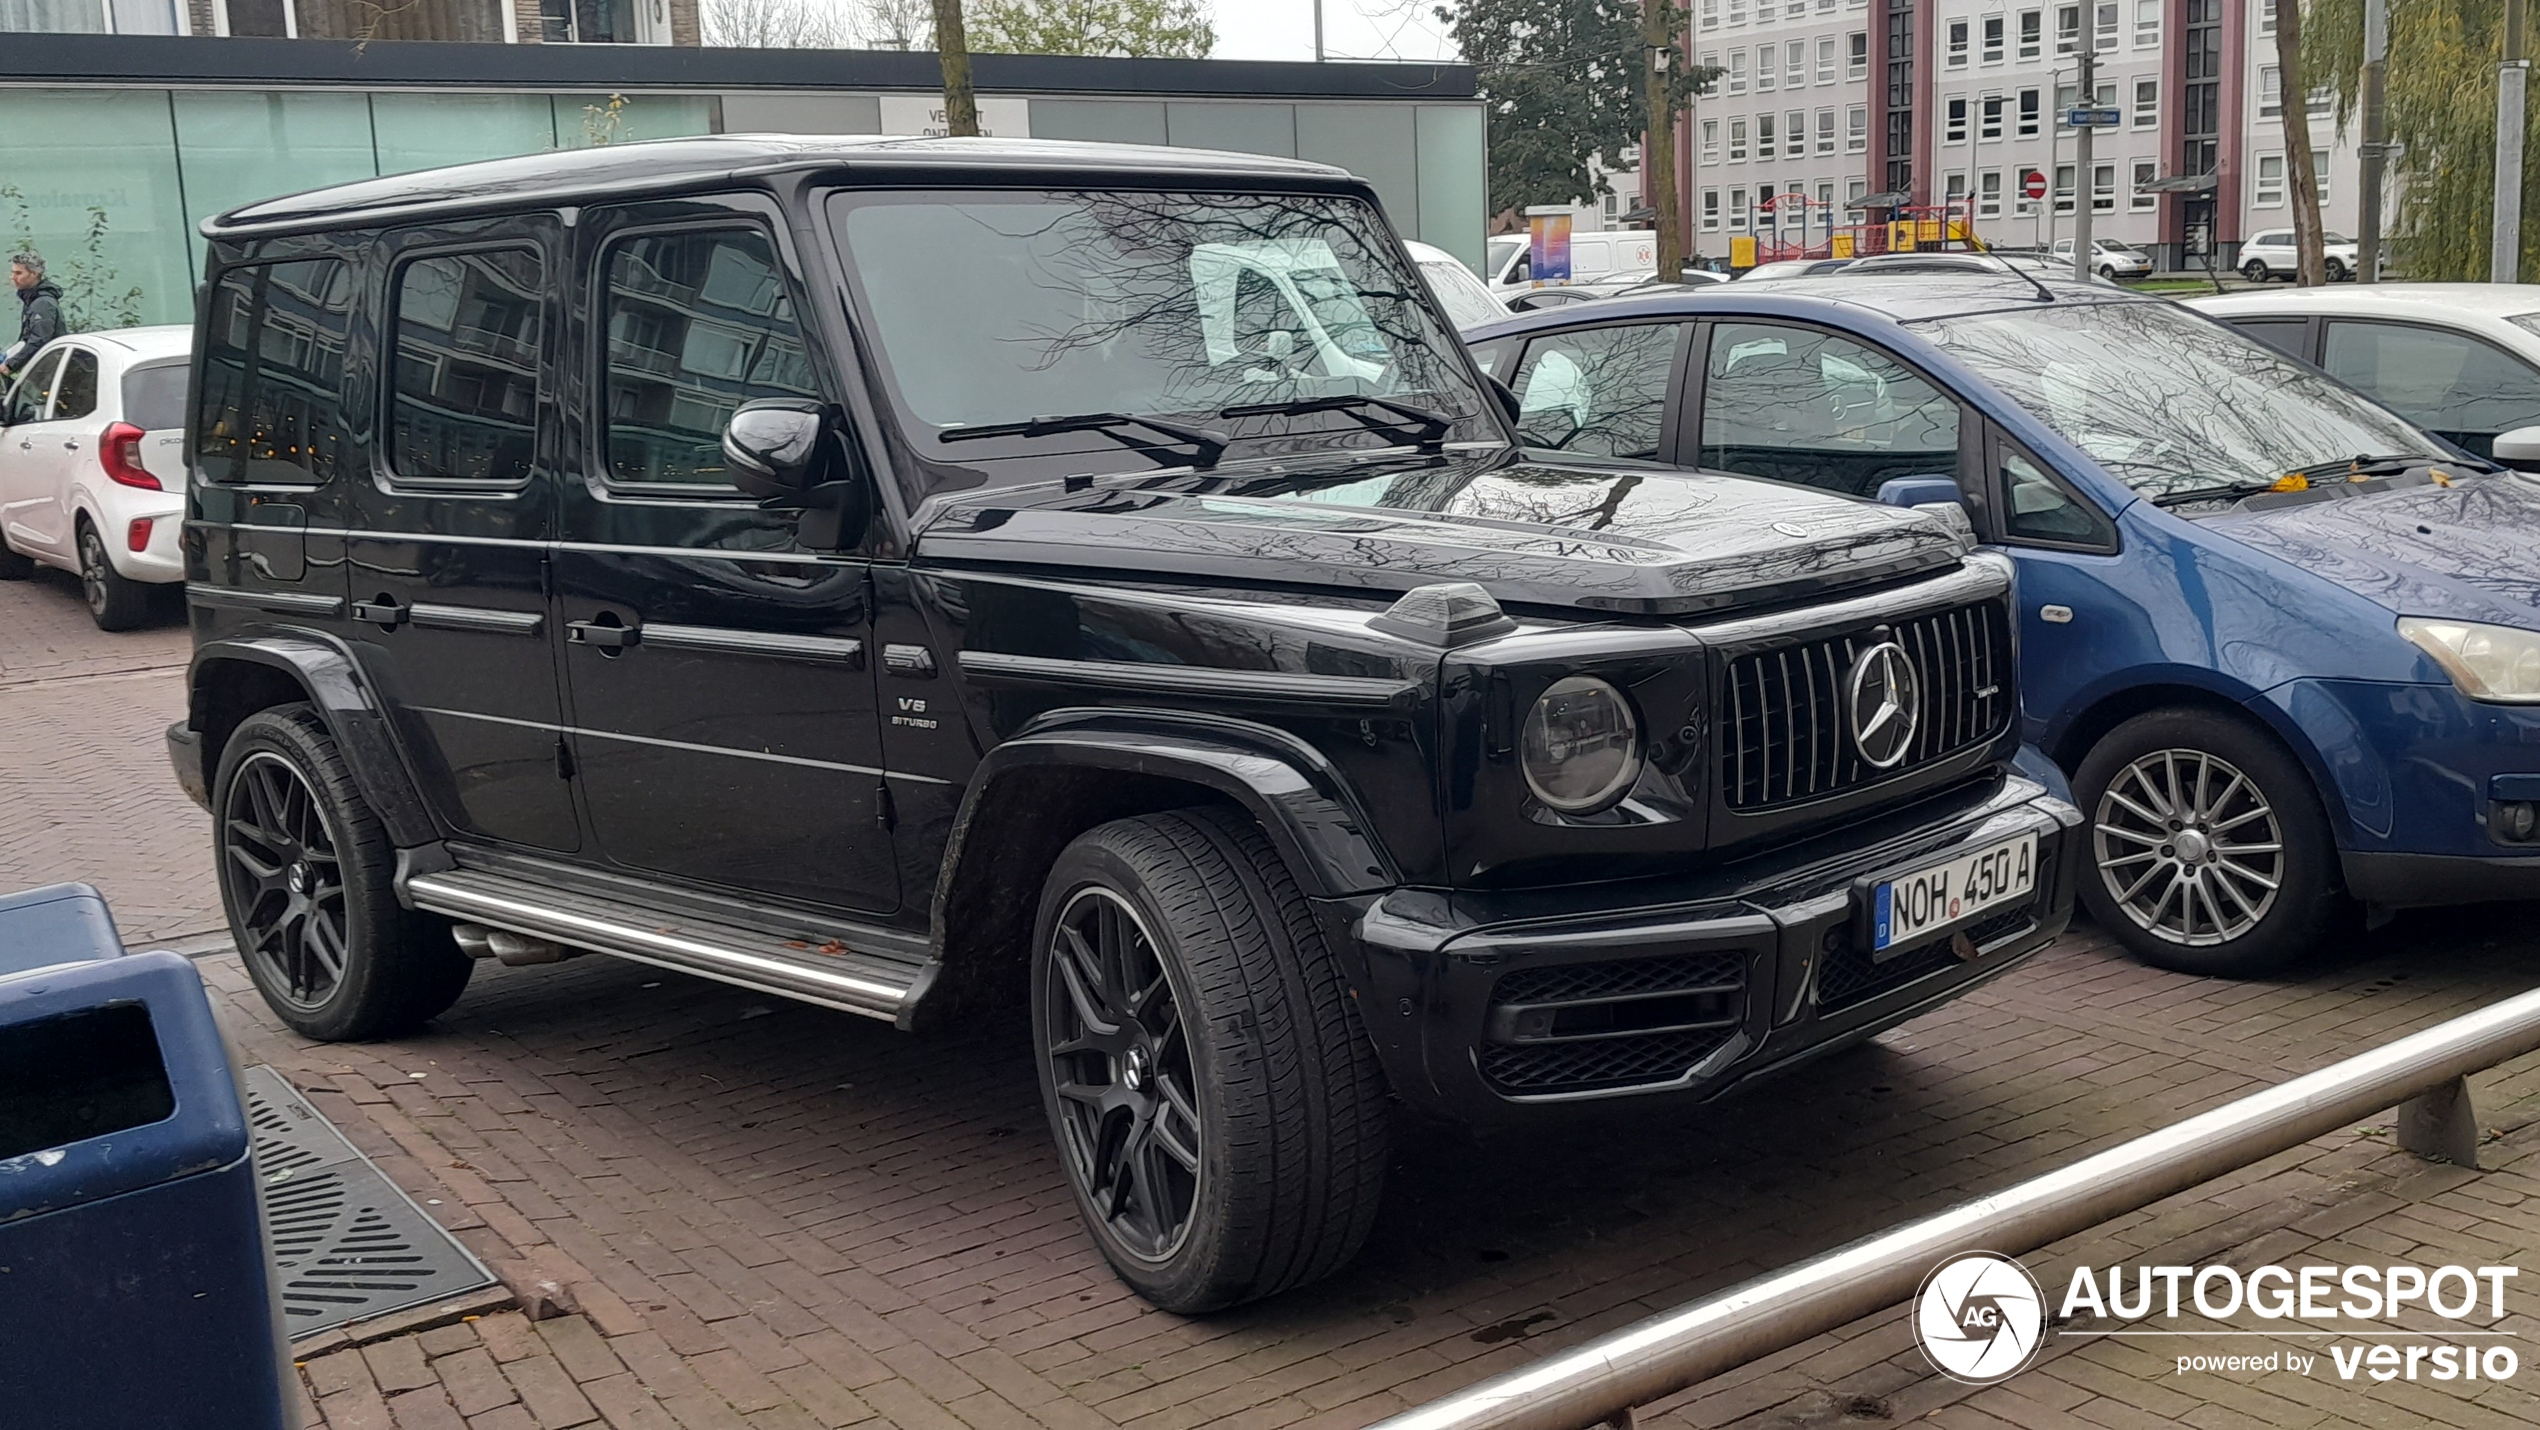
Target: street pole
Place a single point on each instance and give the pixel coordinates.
(2374, 151)
(1318, 31)
(1658, 137)
(2504, 263)
(2088, 98)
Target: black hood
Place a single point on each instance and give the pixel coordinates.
(1564, 535)
(44, 288)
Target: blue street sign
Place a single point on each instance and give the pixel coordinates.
(2082, 116)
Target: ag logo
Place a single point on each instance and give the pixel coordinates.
(1980, 1318)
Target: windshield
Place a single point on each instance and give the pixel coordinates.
(1499, 250)
(997, 307)
(2167, 401)
(1468, 304)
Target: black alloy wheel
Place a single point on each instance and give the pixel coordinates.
(1218, 1110)
(2254, 271)
(2209, 850)
(306, 877)
(1120, 1060)
(2336, 269)
(114, 602)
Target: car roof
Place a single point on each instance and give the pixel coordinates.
(569, 175)
(2484, 300)
(1899, 297)
(158, 340)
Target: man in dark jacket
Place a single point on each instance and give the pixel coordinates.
(39, 312)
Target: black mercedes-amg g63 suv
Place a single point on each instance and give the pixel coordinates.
(906, 574)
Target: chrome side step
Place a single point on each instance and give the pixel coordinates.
(842, 979)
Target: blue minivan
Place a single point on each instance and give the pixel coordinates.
(2286, 645)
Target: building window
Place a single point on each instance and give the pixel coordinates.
(1710, 14)
(1737, 12)
(2147, 104)
(1795, 133)
(2147, 24)
(2270, 92)
(2063, 188)
(1825, 60)
(1795, 65)
(1858, 65)
(2107, 25)
(1737, 71)
(1737, 209)
(1764, 136)
(1856, 190)
(1989, 194)
(1957, 58)
(2103, 188)
(2319, 172)
(1710, 141)
(1989, 117)
(2322, 102)
(1737, 140)
(1795, 9)
(2266, 17)
(1710, 210)
(1856, 129)
(2143, 201)
(2067, 29)
(1825, 131)
(1954, 131)
(2032, 106)
(2270, 188)
(1992, 53)
(1765, 68)
(2032, 33)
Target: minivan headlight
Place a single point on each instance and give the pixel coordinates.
(2499, 663)
(1581, 746)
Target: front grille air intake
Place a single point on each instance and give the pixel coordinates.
(1787, 733)
(1577, 1027)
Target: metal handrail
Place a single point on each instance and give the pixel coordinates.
(1604, 1379)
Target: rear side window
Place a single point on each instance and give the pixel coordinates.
(273, 372)
(2291, 336)
(465, 384)
(77, 395)
(698, 323)
(154, 396)
(1599, 392)
(1800, 405)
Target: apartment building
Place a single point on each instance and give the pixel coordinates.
(1921, 103)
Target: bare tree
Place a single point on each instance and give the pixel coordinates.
(2300, 169)
(772, 24)
(952, 43)
(893, 24)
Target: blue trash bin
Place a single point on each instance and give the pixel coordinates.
(134, 1286)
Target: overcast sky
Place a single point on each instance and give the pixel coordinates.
(1352, 29)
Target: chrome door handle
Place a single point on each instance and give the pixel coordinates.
(606, 637)
(70, 445)
(381, 612)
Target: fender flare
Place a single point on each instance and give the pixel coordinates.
(332, 680)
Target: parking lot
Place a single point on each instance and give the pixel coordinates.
(745, 1212)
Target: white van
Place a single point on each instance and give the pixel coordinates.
(1592, 256)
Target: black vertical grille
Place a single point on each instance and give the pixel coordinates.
(1787, 729)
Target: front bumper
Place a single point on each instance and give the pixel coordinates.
(1749, 967)
(2416, 774)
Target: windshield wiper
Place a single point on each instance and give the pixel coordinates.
(2220, 491)
(1425, 427)
(2362, 466)
(1206, 445)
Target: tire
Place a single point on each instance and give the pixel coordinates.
(2254, 271)
(2108, 271)
(2220, 920)
(2336, 270)
(1254, 1123)
(115, 602)
(338, 960)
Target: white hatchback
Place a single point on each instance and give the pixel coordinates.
(92, 466)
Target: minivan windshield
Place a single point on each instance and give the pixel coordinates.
(996, 307)
(2169, 402)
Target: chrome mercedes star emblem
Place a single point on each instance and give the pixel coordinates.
(1885, 697)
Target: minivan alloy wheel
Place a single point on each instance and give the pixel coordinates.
(288, 883)
(1120, 1061)
(2189, 847)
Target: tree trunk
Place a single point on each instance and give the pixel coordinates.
(1658, 139)
(2300, 169)
(952, 44)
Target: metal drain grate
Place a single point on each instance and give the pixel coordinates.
(346, 1243)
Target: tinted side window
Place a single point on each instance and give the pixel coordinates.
(465, 381)
(154, 396)
(26, 401)
(271, 409)
(698, 323)
(77, 394)
(2447, 383)
(1800, 405)
(2036, 507)
(2291, 336)
(1601, 392)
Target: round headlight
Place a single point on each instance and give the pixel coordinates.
(1581, 747)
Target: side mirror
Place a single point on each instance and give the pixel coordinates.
(2519, 449)
(1507, 397)
(774, 445)
(1921, 491)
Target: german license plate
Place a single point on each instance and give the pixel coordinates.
(1943, 896)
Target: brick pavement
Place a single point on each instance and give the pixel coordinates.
(761, 1214)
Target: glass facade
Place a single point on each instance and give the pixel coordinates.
(128, 174)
